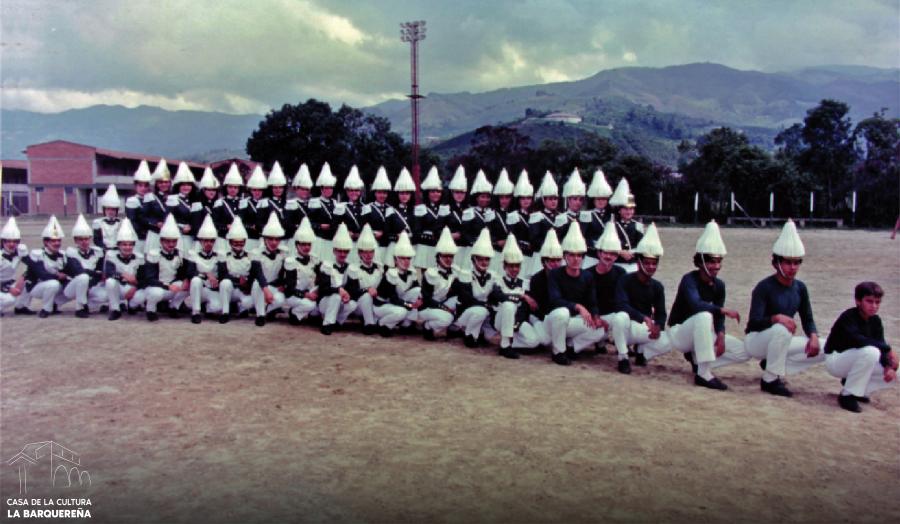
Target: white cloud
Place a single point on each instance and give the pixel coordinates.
(629, 56)
(55, 100)
(333, 26)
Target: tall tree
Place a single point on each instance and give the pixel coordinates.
(830, 154)
(878, 175)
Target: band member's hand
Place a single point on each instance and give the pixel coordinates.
(894, 360)
(501, 243)
(14, 291)
(175, 288)
(213, 281)
(130, 293)
(62, 276)
(455, 235)
(417, 304)
(599, 323)
(890, 374)
(812, 347)
(345, 297)
(372, 292)
(185, 229)
(785, 321)
(719, 345)
(378, 234)
(312, 295)
(627, 255)
(242, 281)
(585, 315)
(129, 278)
(652, 327)
(268, 295)
(732, 313)
(325, 226)
(532, 303)
(159, 225)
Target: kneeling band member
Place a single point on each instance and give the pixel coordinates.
(300, 272)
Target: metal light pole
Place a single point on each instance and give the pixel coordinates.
(413, 32)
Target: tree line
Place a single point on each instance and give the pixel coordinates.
(826, 154)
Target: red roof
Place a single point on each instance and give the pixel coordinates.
(121, 154)
(14, 164)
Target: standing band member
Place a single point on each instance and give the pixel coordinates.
(337, 283)
(134, 204)
(297, 206)
(573, 196)
(124, 272)
(480, 215)
(228, 206)
(90, 257)
(427, 225)
(517, 222)
(771, 327)
(153, 208)
(203, 206)
(106, 227)
(593, 221)
(250, 207)
(451, 214)
(375, 214)
(539, 222)
(440, 288)
(274, 203)
(12, 254)
(205, 264)
(401, 217)
(697, 320)
(606, 278)
(350, 213)
(167, 275)
(856, 351)
(179, 204)
(321, 213)
(630, 231)
(300, 270)
(500, 230)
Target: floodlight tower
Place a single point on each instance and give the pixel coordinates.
(413, 32)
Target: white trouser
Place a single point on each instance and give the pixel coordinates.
(76, 289)
(620, 324)
(301, 307)
(259, 299)
(156, 294)
(334, 310)
(366, 308)
(227, 293)
(200, 294)
(435, 319)
(391, 315)
(698, 335)
(639, 334)
(861, 368)
(563, 326)
(505, 321)
(97, 295)
(115, 290)
(540, 330)
(8, 301)
(472, 320)
(785, 354)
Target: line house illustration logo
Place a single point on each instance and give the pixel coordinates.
(51, 460)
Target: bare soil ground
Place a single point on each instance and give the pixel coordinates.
(210, 423)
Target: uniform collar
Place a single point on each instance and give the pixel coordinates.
(340, 267)
(369, 269)
(52, 256)
(482, 278)
(512, 282)
(270, 255)
(125, 259)
(208, 256)
(9, 256)
(238, 256)
(169, 256)
(112, 221)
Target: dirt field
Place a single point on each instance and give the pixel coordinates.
(184, 423)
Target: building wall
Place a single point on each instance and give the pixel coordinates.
(53, 167)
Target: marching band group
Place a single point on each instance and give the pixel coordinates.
(477, 262)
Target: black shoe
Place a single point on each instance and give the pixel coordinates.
(174, 313)
(640, 360)
(326, 329)
(713, 383)
(625, 366)
(762, 364)
(470, 341)
(428, 334)
(411, 329)
(601, 348)
(104, 309)
(152, 316)
(244, 314)
(55, 309)
(509, 352)
(454, 333)
(223, 318)
(776, 387)
(115, 314)
(864, 400)
(689, 356)
(23, 311)
(561, 359)
(385, 331)
(849, 403)
(196, 319)
(84, 312)
(482, 340)
(570, 354)
(133, 310)
(43, 314)
(293, 320)
(272, 315)
(260, 321)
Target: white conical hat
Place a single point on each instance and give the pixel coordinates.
(574, 242)
(143, 172)
(11, 230)
(650, 245)
(574, 186)
(326, 179)
(710, 242)
(403, 247)
(459, 182)
(404, 181)
(257, 178)
(481, 184)
(233, 177)
(445, 244)
(523, 186)
(504, 185)
(126, 232)
(273, 228)
(789, 243)
(342, 238)
(548, 187)
(353, 180)
(207, 229)
(110, 198)
(366, 240)
(609, 240)
(432, 180)
(599, 186)
(53, 229)
(170, 228)
(511, 252)
(184, 175)
(276, 176)
(381, 182)
(162, 171)
(305, 232)
(237, 230)
(208, 180)
(551, 247)
(81, 228)
(622, 195)
(303, 178)
(483, 247)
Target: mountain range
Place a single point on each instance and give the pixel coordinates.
(654, 108)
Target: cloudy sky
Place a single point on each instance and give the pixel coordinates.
(239, 56)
